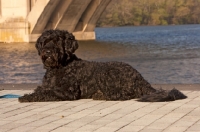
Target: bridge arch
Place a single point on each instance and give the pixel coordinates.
(77, 16)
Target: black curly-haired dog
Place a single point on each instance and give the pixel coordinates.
(69, 78)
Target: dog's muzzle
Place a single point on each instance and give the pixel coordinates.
(49, 58)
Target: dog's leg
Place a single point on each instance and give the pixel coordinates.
(98, 96)
(70, 94)
(52, 94)
(41, 94)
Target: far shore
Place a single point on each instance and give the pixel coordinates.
(183, 87)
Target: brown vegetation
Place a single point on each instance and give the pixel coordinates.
(150, 12)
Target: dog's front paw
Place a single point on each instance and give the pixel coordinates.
(98, 96)
(24, 98)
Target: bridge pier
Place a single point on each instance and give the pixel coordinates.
(84, 35)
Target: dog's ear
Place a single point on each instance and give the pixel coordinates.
(39, 45)
(70, 43)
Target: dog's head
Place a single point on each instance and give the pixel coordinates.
(56, 47)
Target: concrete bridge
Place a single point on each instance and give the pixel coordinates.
(25, 20)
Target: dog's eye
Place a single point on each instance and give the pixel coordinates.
(47, 52)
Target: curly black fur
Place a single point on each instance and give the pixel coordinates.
(70, 78)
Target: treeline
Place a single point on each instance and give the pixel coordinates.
(150, 12)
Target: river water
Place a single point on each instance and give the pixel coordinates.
(162, 54)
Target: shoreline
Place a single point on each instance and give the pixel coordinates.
(183, 87)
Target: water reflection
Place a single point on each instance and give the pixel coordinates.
(19, 63)
(163, 54)
(161, 65)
